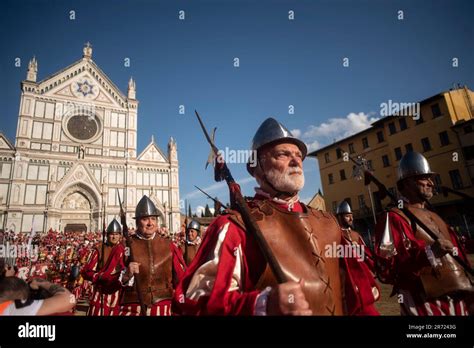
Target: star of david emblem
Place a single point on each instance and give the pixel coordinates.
(85, 88)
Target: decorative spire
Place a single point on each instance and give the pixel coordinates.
(87, 51)
(172, 150)
(32, 70)
(152, 139)
(132, 88)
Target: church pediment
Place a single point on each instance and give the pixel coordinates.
(78, 174)
(152, 153)
(5, 143)
(83, 81)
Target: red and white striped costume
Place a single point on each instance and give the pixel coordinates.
(361, 290)
(224, 275)
(161, 308)
(107, 289)
(401, 268)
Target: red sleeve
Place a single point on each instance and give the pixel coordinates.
(108, 276)
(410, 252)
(179, 266)
(88, 271)
(219, 253)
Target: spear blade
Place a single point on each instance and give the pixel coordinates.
(212, 156)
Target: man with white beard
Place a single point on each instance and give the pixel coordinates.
(229, 275)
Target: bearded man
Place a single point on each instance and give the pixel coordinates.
(427, 279)
(230, 276)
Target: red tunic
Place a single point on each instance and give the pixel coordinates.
(223, 276)
(361, 290)
(402, 270)
(107, 288)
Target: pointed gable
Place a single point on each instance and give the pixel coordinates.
(152, 153)
(85, 81)
(79, 173)
(5, 144)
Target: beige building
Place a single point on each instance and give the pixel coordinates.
(442, 133)
(76, 149)
(317, 202)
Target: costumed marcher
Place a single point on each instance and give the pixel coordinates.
(192, 242)
(361, 291)
(230, 276)
(426, 278)
(154, 265)
(104, 272)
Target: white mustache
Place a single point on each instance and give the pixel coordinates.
(294, 171)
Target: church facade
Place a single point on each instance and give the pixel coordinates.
(75, 154)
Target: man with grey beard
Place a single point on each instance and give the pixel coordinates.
(229, 275)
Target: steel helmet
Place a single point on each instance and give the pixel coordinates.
(413, 164)
(114, 227)
(145, 208)
(343, 208)
(272, 131)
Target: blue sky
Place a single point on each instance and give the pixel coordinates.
(282, 62)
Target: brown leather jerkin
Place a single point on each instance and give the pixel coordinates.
(155, 277)
(450, 277)
(189, 253)
(298, 241)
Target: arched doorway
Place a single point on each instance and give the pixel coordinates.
(76, 212)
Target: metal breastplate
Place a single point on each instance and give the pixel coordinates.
(155, 277)
(449, 277)
(298, 241)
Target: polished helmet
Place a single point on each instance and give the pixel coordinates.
(271, 132)
(343, 208)
(413, 164)
(145, 208)
(114, 227)
(194, 225)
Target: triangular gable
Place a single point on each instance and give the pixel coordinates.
(317, 202)
(5, 144)
(152, 153)
(65, 83)
(79, 173)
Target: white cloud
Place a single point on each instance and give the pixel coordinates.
(296, 132)
(336, 128)
(313, 146)
(200, 210)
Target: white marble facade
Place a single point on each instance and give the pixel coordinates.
(75, 147)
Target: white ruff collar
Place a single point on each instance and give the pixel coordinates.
(290, 203)
(140, 236)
